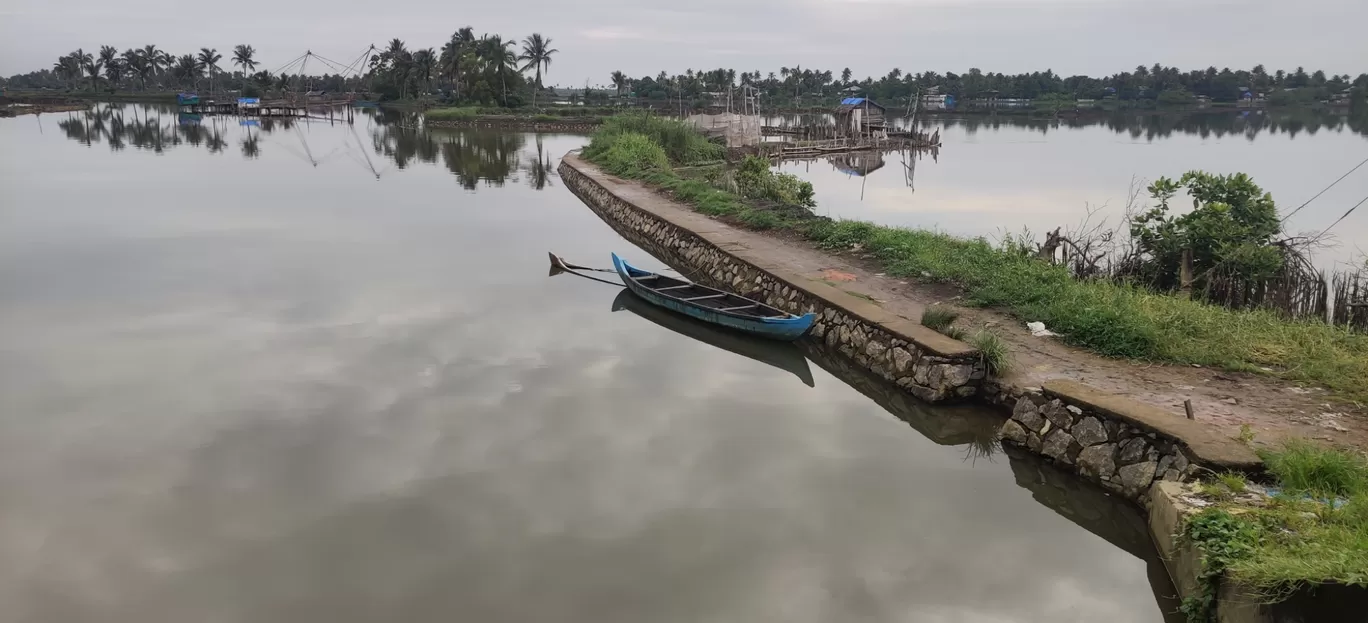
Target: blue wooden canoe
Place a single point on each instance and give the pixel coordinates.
(713, 305)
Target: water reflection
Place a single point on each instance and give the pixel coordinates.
(1136, 124)
(396, 140)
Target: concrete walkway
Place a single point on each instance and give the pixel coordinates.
(1271, 408)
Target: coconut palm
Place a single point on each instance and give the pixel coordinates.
(187, 69)
(92, 69)
(454, 52)
(113, 66)
(208, 59)
(500, 58)
(424, 61)
(157, 60)
(67, 68)
(242, 57)
(536, 55)
(620, 82)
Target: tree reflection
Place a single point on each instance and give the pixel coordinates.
(1150, 126)
(474, 157)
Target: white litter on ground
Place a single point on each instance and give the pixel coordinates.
(1038, 329)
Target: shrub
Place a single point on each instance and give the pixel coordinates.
(1304, 467)
(994, 350)
(938, 318)
(452, 114)
(632, 155)
(683, 144)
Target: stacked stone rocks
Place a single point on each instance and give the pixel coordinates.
(1122, 458)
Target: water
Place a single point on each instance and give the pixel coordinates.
(1008, 174)
(311, 373)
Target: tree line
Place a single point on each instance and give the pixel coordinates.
(795, 84)
(484, 69)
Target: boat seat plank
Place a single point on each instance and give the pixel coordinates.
(687, 285)
(727, 309)
(647, 277)
(702, 298)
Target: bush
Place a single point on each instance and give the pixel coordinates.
(632, 155)
(464, 113)
(755, 180)
(683, 144)
(938, 318)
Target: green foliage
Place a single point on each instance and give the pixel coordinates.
(633, 155)
(994, 350)
(1304, 467)
(1176, 97)
(1314, 531)
(683, 144)
(1222, 539)
(1232, 481)
(464, 113)
(1114, 320)
(1231, 225)
(938, 318)
(956, 333)
(756, 180)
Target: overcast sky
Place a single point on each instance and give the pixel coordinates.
(595, 37)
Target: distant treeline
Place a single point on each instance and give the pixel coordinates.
(484, 69)
(1156, 83)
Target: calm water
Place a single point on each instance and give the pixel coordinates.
(319, 373)
(1009, 174)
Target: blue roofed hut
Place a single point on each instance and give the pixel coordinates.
(859, 116)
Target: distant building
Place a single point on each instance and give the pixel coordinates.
(857, 116)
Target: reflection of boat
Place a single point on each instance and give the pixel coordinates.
(783, 356)
(713, 305)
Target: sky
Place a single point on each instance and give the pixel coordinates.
(643, 37)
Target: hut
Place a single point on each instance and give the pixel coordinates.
(859, 116)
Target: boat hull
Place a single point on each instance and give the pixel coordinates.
(787, 327)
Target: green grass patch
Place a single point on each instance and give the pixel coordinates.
(462, 113)
(1306, 468)
(1115, 319)
(1314, 531)
(997, 356)
(682, 143)
(938, 318)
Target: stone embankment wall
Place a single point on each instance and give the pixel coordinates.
(1122, 445)
(922, 362)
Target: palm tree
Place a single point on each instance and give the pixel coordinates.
(537, 53)
(187, 69)
(92, 69)
(67, 67)
(209, 58)
(454, 53)
(620, 81)
(157, 60)
(242, 57)
(423, 63)
(500, 58)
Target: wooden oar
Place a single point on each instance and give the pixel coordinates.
(559, 266)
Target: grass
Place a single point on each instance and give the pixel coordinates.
(1115, 320)
(938, 318)
(1314, 531)
(683, 144)
(1306, 468)
(994, 350)
(463, 113)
